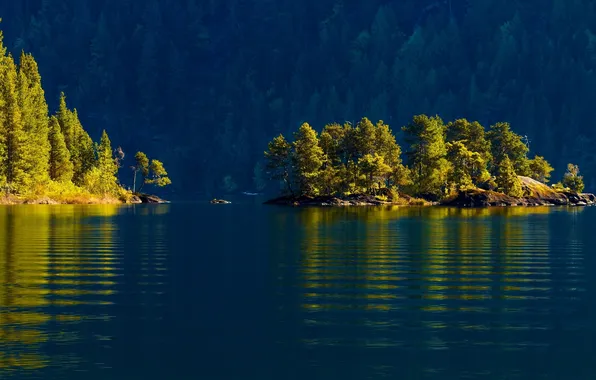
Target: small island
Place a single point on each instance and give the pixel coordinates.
(52, 159)
(459, 163)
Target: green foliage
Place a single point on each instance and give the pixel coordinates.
(34, 109)
(374, 172)
(468, 168)
(13, 167)
(540, 169)
(141, 165)
(60, 166)
(308, 159)
(279, 161)
(158, 175)
(505, 142)
(472, 134)
(79, 143)
(426, 136)
(572, 179)
(105, 171)
(507, 180)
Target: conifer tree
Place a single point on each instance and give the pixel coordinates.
(279, 162)
(472, 134)
(141, 165)
(507, 181)
(426, 154)
(375, 171)
(36, 150)
(572, 179)
(77, 140)
(308, 159)
(540, 169)
(158, 175)
(13, 167)
(505, 142)
(60, 166)
(106, 166)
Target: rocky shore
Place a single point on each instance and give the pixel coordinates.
(537, 194)
(351, 200)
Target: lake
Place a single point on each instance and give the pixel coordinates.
(243, 291)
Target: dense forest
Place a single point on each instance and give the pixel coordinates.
(53, 157)
(205, 84)
(442, 160)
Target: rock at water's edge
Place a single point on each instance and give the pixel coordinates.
(220, 202)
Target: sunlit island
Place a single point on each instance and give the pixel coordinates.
(458, 163)
(52, 159)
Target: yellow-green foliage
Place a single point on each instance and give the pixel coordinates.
(43, 156)
(572, 179)
(540, 169)
(507, 181)
(366, 159)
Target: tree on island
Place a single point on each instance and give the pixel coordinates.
(507, 180)
(152, 171)
(442, 159)
(572, 179)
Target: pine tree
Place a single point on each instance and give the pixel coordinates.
(78, 141)
(505, 142)
(427, 152)
(279, 162)
(36, 151)
(472, 134)
(308, 159)
(106, 166)
(540, 169)
(13, 167)
(507, 181)
(572, 179)
(60, 166)
(142, 166)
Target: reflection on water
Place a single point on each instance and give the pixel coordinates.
(200, 291)
(437, 278)
(59, 269)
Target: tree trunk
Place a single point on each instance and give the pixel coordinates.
(134, 181)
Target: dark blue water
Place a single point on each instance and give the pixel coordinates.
(246, 291)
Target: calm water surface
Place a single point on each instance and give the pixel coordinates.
(244, 291)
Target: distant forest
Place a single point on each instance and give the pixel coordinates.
(205, 84)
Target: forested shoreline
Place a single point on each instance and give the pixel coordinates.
(215, 80)
(51, 158)
(442, 159)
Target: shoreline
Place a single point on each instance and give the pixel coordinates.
(80, 199)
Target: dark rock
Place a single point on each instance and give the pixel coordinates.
(220, 202)
(146, 198)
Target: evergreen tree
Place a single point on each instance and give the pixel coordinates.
(308, 159)
(34, 109)
(540, 169)
(572, 179)
(468, 168)
(60, 166)
(507, 181)
(14, 165)
(158, 175)
(375, 172)
(279, 161)
(505, 142)
(106, 167)
(426, 154)
(472, 134)
(141, 165)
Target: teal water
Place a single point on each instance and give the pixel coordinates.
(242, 291)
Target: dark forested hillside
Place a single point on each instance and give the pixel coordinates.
(207, 83)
